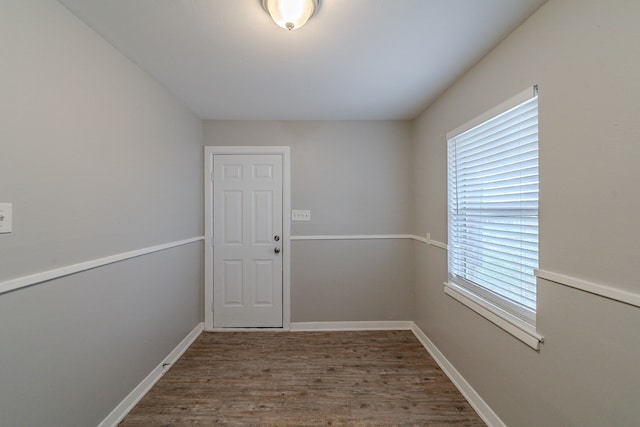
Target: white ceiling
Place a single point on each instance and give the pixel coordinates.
(354, 60)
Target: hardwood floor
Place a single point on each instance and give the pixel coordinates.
(381, 378)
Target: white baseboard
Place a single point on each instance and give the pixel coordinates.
(245, 330)
(352, 326)
(138, 393)
(484, 411)
(482, 408)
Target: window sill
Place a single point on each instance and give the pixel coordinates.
(509, 323)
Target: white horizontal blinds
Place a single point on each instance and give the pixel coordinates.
(493, 209)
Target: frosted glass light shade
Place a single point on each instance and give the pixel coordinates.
(290, 14)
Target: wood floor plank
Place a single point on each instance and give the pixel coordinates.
(377, 378)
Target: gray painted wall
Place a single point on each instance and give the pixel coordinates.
(585, 56)
(97, 159)
(351, 280)
(74, 348)
(356, 178)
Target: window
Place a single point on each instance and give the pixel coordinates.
(493, 210)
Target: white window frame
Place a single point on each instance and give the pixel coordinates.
(518, 321)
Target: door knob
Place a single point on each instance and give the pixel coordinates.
(276, 250)
(276, 238)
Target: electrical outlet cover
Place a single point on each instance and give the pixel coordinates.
(300, 215)
(6, 214)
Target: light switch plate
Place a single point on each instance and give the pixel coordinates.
(6, 211)
(300, 215)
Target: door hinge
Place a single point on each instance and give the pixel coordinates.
(211, 305)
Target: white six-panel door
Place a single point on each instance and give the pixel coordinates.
(247, 241)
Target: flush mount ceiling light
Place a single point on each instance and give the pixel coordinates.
(290, 14)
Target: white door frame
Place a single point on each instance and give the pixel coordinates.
(209, 152)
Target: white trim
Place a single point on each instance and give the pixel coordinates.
(245, 149)
(352, 326)
(286, 235)
(482, 408)
(422, 239)
(354, 237)
(32, 279)
(616, 294)
(208, 240)
(247, 330)
(439, 245)
(516, 327)
(429, 241)
(285, 152)
(120, 411)
(510, 103)
(372, 237)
